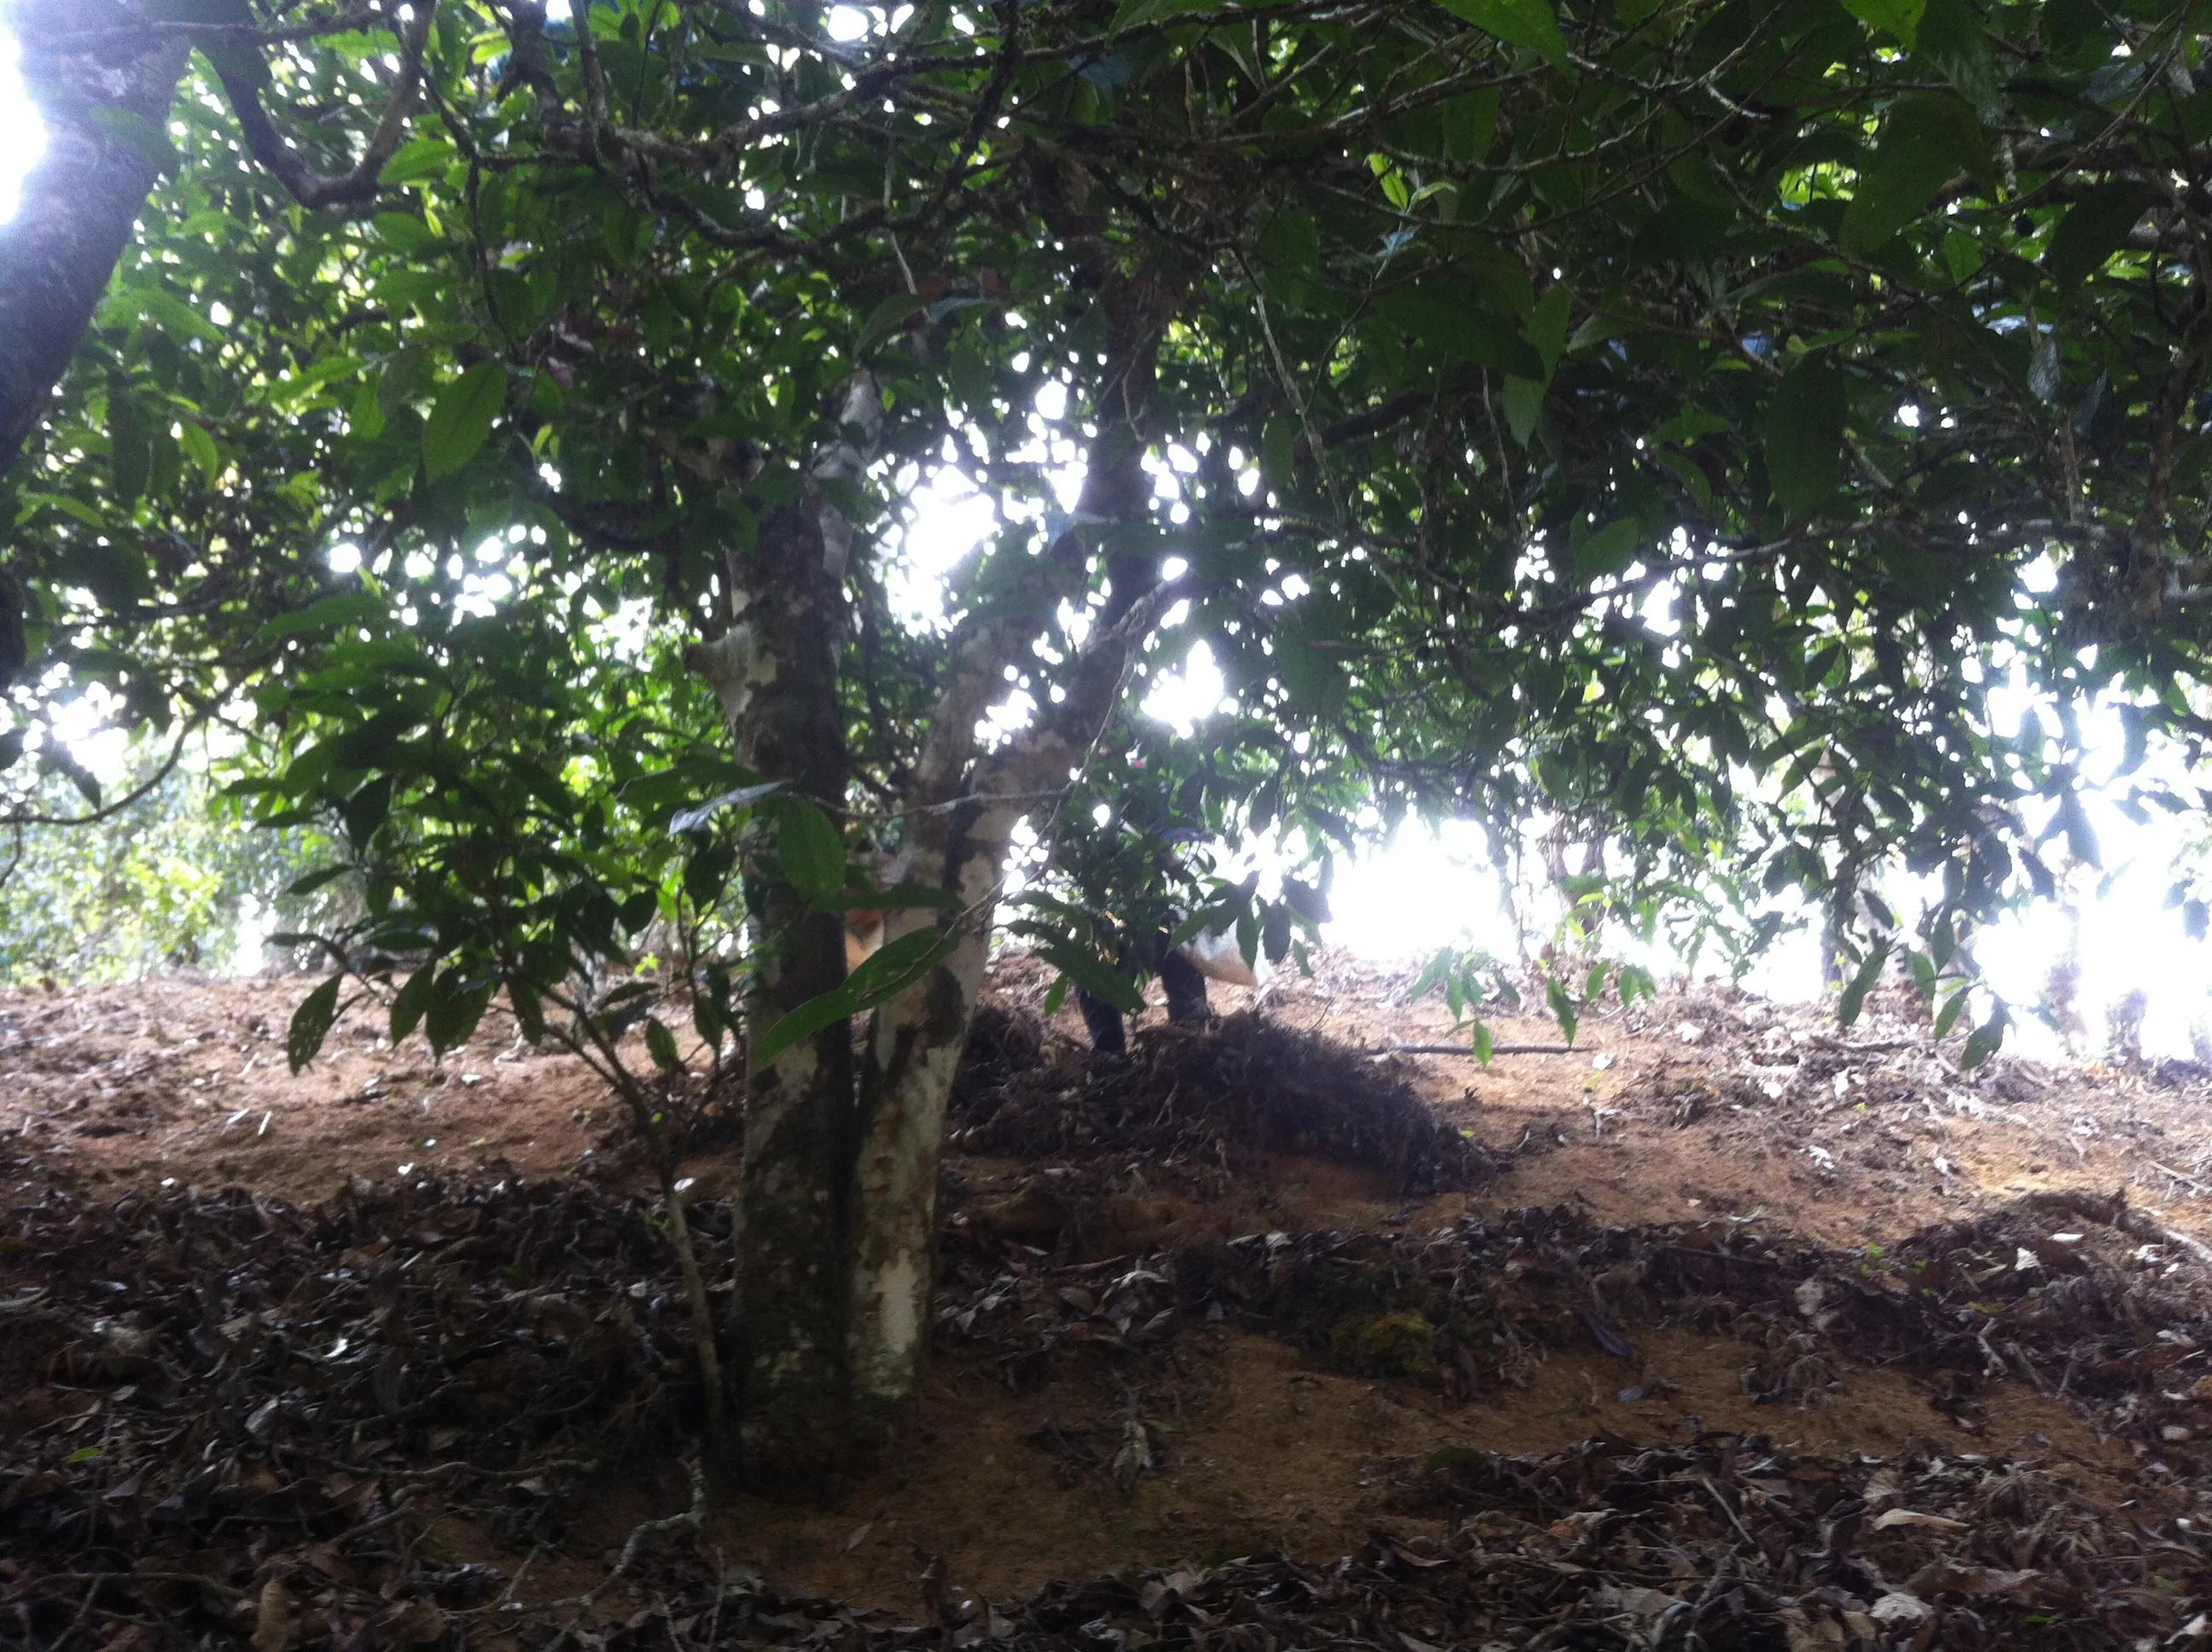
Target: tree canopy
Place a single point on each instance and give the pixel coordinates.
(1668, 414)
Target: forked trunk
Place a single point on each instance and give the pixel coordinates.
(837, 1215)
(958, 843)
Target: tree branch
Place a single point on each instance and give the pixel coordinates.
(109, 811)
(310, 188)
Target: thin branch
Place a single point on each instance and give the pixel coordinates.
(108, 812)
(310, 188)
(137, 33)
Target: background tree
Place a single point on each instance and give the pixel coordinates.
(1644, 411)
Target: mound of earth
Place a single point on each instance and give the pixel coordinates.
(1216, 1097)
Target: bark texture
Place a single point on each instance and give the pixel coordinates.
(775, 671)
(81, 199)
(959, 842)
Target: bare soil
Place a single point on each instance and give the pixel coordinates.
(1707, 1103)
(1703, 1118)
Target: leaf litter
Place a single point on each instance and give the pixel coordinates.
(235, 1422)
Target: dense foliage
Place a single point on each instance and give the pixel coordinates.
(169, 878)
(1747, 315)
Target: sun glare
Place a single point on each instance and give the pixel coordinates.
(23, 134)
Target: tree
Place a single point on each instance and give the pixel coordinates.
(170, 880)
(1639, 411)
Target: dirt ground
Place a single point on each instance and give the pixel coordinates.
(1704, 1108)
(1706, 1103)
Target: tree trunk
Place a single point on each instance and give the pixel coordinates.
(959, 843)
(81, 199)
(775, 669)
(906, 1082)
(837, 1218)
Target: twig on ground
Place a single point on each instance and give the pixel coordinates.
(693, 1519)
(1469, 1049)
(2167, 1169)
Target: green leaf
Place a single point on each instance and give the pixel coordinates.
(1923, 971)
(315, 879)
(53, 760)
(1953, 40)
(2081, 837)
(661, 1043)
(897, 965)
(1278, 451)
(813, 853)
(1609, 550)
(367, 810)
(406, 234)
(1291, 244)
(1855, 993)
(326, 614)
(1947, 1017)
(1094, 975)
(1547, 327)
(1440, 314)
(1485, 1044)
(707, 1020)
(887, 973)
(134, 133)
(199, 447)
(1133, 13)
(426, 157)
(1524, 405)
(1470, 126)
(694, 820)
(396, 385)
(130, 454)
(2095, 228)
(1803, 428)
(366, 419)
(411, 1001)
(176, 316)
(1986, 1038)
(803, 1022)
(312, 1022)
(1900, 17)
(529, 1009)
(1530, 23)
(888, 316)
(1563, 1008)
(1962, 256)
(454, 1010)
(1314, 677)
(462, 418)
(1929, 139)
(1214, 918)
(902, 899)
(1943, 943)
